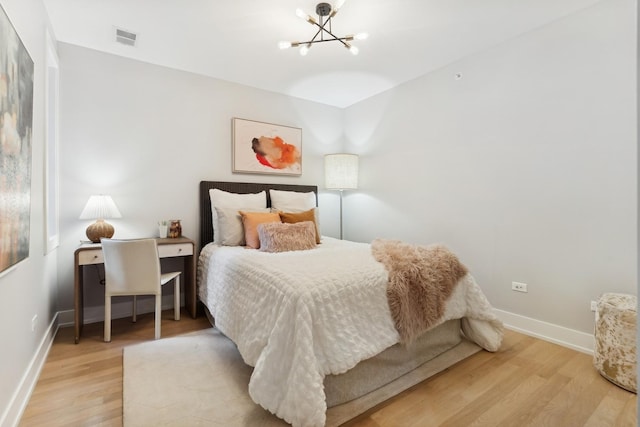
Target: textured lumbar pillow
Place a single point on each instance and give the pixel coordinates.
(283, 237)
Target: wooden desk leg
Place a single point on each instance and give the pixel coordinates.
(190, 285)
(78, 292)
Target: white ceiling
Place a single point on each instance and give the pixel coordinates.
(237, 40)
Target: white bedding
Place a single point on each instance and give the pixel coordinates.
(298, 316)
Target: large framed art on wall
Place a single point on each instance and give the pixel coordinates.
(16, 121)
(267, 148)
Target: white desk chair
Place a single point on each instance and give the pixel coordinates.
(132, 267)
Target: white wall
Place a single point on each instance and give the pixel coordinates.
(28, 290)
(148, 135)
(526, 167)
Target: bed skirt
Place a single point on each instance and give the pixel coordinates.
(391, 372)
(392, 363)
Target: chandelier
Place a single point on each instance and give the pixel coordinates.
(324, 33)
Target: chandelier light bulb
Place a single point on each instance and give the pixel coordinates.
(361, 36)
(337, 7)
(354, 50)
(304, 50)
(302, 14)
(284, 45)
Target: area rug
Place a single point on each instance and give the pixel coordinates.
(199, 379)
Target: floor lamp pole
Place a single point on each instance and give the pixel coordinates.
(341, 214)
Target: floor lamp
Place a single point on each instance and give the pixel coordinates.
(341, 173)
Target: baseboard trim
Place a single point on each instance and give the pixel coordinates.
(11, 416)
(118, 310)
(576, 340)
(65, 318)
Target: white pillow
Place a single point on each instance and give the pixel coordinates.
(230, 228)
(295, 202)
(224, 199)
(292, 201)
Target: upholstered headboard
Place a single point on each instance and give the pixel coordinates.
(206, 225)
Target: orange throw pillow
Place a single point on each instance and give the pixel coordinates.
(251, 220)
(293, 217)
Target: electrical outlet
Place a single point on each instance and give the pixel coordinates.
(594, 305)
(519, 287)
(34, 319)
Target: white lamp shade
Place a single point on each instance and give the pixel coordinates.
(341, 171)
(100, 207)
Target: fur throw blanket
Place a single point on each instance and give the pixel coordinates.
(421, 279)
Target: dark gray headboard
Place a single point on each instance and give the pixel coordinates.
(206, 226)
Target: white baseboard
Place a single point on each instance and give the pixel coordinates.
(12, 414)
(65, 318)
(560, 335)
(119, 310)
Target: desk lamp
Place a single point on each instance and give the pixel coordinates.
(100, 207)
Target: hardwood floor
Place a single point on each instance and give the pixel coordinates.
(81, 385)
(528, 383)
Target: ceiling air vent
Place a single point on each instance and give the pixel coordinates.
(126, 37)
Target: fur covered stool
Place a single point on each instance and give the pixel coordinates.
(615, 352)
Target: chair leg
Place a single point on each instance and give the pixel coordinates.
(135, 317)
(158, 315)
(107, 318)
(176, 298)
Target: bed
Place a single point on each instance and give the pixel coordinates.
(319, 325)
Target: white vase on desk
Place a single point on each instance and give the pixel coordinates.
(162, 231)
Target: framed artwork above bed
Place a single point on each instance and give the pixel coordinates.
(266, 148)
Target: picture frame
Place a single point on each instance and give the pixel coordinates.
(266, 148)
(16, 116)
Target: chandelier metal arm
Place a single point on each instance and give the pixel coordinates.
(313, 39)
(322, 29)
(342, 40)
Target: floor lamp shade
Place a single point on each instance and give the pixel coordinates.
(100, 207)
(341, 171)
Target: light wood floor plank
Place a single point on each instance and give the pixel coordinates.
(81, 385)
(505, 407)
(529, 382)
(558, 383)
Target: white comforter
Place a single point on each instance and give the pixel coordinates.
(298, 316)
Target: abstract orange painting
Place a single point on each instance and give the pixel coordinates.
(260, 147)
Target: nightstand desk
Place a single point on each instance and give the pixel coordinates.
(91, 253)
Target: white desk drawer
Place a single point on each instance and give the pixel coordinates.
(92, 256)
(181, 249)
(95, 256)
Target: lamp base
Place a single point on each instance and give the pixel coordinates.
(99, 229)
